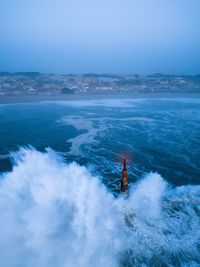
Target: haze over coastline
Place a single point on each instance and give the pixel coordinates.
(33, 86)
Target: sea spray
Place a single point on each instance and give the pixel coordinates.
(57, 214)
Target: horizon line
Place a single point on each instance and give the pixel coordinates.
(96, 74)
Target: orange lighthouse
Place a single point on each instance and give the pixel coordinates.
(124, 181)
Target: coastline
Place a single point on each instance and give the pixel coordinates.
(12, 99)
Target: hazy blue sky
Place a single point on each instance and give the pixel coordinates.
(101, 36)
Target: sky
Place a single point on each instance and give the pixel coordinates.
(100, 36)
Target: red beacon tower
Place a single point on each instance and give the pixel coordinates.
(124, 181)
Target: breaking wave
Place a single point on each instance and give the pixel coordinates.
(58, 214)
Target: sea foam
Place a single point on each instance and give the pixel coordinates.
(58, 214)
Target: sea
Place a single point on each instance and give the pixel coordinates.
(60, 174)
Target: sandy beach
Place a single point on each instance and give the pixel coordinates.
(38, 98)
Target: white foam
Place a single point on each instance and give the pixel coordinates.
(54, 214)
(94, 126)
(81, 123)
(107, 103)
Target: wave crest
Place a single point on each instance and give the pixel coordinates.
(57, 214)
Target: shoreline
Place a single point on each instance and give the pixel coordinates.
(40, 98)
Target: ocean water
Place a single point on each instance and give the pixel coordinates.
(60, 165)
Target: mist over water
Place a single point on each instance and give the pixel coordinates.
(58, 214)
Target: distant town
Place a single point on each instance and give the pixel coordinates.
(34, 83)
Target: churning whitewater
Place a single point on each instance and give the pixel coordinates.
(58, 214)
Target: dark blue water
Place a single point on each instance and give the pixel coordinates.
(54, 213)
(161, 135)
